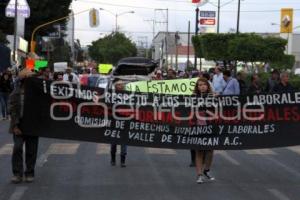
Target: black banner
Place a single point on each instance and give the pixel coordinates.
(65, 111)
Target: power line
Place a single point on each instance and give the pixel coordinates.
(178, 10)
(106, 31)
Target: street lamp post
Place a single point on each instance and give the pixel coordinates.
(32, 43)
(219, 6)
(116, 15)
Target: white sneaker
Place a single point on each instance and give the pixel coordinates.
(208, 176)
(200, 179)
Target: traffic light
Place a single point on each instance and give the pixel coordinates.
(286, 20)
(94, 18)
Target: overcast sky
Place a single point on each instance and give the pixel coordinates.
(256, 16)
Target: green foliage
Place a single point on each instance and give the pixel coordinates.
(62, 51)
(285, 62)
(40, 13)
(246, 47)
(213, 46)
(274, 48)
(112, 48)
(243, 47)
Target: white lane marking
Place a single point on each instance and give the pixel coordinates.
(228, 157)
(279, 195)
(260, 152)
(103, 149)
(160, 151)
(287, 168)
(7, 149)
(295, 149)
(18, 193)
(42, 160)
(63, 149)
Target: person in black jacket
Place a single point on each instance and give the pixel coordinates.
(283, 85)
(5, 90)
(272, 81)
(16, 108)
(255, 87)
(242, 83)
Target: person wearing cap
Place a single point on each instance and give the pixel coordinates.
(16, 108)
(70, 76)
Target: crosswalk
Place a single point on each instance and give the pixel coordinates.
(104, 149)
(7, 149)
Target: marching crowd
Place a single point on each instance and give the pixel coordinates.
(220, 82)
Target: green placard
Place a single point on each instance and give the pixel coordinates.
(104, 68)
(174, 87)
(40, 64)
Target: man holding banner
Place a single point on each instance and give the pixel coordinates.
(16, 108)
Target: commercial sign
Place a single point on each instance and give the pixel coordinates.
(286, 20)
(22, 45)
(200, 2)
(22, 9)
(207, 21)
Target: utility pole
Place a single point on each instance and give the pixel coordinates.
(218, 23)
(167, 30)
(196, 33)
(238, 17)
(167, 38)
(177, 38)
(73, 38)
(153, 26)
(15, 31)
(188, 50)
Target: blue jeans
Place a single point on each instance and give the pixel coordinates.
(3, 103)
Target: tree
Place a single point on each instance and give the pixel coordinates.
(274, 48)
(286, 62)
(243, 47)
(213, 46)
(112, 48)
(247, 48)
(40, 13)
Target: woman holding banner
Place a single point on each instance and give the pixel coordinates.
(203, 157)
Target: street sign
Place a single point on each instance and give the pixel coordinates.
(207, 21)
(208, 14)
(22, 9)
(56, 33)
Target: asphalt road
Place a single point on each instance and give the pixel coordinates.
(68, 170)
